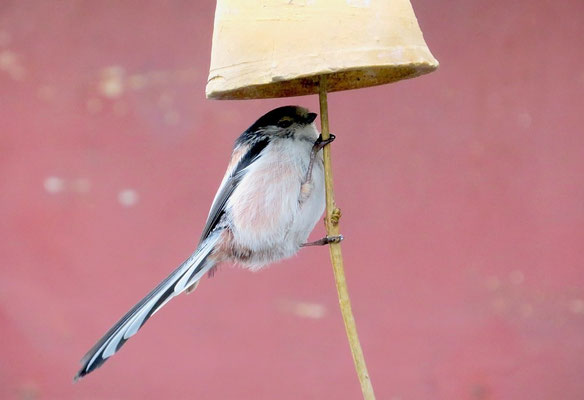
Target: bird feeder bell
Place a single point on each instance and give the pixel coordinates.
(280, 48)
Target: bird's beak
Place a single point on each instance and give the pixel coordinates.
(311, 117)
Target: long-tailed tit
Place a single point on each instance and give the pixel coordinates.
(269, 201)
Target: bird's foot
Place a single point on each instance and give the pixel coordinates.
(320, 143)
(324, 241)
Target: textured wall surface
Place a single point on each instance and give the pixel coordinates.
(462, 193)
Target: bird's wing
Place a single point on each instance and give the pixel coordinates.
(243, 156)
(185, 275)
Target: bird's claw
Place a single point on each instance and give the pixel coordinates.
(335, 239)
(324, 241)
(320, 143)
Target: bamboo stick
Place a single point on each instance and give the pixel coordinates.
(333, 215)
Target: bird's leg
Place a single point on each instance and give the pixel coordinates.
(306, 186)
(324, 241)
(318, 145)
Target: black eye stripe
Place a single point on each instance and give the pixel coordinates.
(285, 123)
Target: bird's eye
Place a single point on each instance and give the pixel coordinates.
(284, 123)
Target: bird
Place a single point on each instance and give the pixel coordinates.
(271, 197)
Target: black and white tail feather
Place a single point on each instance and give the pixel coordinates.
(186, 275)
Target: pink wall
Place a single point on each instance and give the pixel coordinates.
(462, 194)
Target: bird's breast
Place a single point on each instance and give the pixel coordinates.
(264, 210)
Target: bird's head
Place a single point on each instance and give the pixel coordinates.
(292, 122)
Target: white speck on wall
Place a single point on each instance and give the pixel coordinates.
(54, 184)
(128, 197)
(524, 120)
(7, 59)
(111, 84)
(577, 306)
(304, 309)
(10, 63)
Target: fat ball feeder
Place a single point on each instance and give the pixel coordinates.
(281, 48)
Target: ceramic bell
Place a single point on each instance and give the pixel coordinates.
(278, 48)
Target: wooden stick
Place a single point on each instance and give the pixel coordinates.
(333, 215)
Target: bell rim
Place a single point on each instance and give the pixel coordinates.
(337, 80)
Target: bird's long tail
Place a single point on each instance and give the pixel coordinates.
(187, 274)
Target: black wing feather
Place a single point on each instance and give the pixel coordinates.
(218, 208)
